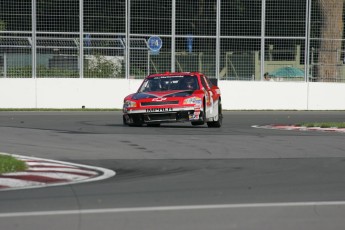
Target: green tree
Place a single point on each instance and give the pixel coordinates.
(99, 66)
(331, 35)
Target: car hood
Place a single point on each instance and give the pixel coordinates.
(160, 94)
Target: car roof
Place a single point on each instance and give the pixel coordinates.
(174, 74)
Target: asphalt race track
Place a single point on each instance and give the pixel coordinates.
(178, 176)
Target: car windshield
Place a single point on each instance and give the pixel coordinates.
(165, 83)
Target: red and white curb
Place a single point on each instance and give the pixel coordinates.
(299, 128)
(44, 172)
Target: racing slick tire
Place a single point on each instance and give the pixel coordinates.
(137, 122)
(218, 123)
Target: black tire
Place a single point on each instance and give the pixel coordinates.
(217, 124)
(137, 122)
(194, 123)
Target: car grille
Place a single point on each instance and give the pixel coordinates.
(166, 117)
(159, 103)
(152, 117)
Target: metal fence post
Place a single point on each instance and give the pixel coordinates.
(263, 23)
(81, 38)
(127, 47)
(307, 40)
(173, 36)
(218, 41)
(5, 65)
(33, 35)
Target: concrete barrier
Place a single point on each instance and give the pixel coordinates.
(109, 93)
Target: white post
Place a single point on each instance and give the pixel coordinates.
(307, 41)
(81, 38)
(218, 41)
(173, 36)
(33, 44)
(127, 48)
(263, 22)
(5, 65)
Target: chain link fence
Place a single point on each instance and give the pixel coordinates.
(244, 40)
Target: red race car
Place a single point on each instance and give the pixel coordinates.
(174, 97)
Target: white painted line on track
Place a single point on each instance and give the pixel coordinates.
(172, 208)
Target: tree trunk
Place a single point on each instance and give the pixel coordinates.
(331, 35)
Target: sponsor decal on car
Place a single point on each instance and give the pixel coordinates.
(194, 117)
(198, 101)
(159, 110)
(197, 108)
(159, 99)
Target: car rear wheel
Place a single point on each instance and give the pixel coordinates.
(218, 123)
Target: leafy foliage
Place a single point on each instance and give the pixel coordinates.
(99, 66)
(11, 164)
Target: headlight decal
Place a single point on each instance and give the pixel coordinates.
(129, 103)
(193, 100)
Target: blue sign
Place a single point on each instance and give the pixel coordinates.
(155, 44)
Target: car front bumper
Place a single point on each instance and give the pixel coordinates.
(163, 115)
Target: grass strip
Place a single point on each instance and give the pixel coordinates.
(323, 124)
(11, 164)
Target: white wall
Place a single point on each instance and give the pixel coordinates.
(17, 93)
(109, 93)
(326, 96)
(241, 95)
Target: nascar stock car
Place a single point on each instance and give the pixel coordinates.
(174, 97)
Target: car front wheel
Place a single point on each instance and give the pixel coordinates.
(136, 121)
(218, 123)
